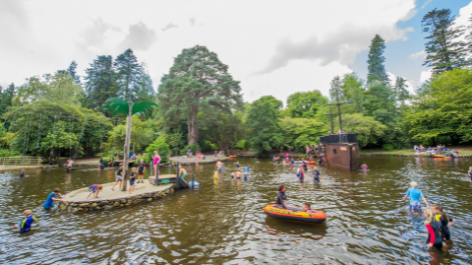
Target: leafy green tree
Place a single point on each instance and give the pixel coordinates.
(54, 88)
(368, 130)
(160, 145)
(400, 91)
(305, 104)
(262, 124)
(226, 131)
(379, 98)
(376, 61)
(49, 129)
(198, 83)
(442, 109)
(100, 82)
(300, 132)
(445, 51)
(6, 98)
(352, 91)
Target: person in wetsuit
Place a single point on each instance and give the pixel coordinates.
(444, 220)
(434, 235)
(316, 175)
(25, 224)
(22, 173)
(281, 198)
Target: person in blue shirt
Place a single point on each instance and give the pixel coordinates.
(415, 195)
(25, 225)
(246, 171)
(51, 198)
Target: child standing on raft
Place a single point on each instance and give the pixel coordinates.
(118, 177)
(95, 190)
(51, 198)
(281, 198)
(156, 160)
(25, 224)
(141, 169)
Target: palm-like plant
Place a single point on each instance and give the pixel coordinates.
(118, 105)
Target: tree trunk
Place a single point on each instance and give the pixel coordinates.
(192, 127)
(126, 155)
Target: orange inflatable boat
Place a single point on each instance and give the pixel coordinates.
(294, 214)
(232, 157)
(310, 162)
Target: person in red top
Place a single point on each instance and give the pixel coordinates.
(434, 236)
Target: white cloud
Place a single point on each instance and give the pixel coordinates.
(298, 45)
(425, 75)
(420, 54)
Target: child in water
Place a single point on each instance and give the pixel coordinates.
(182, 173)
(51, 198)
(316, 175)
(25, 225)
(308, 208)
(434, 236)
(238, 174)
(132, 178)
(95, 190)
(22, 173)
(246, 171)
(364, 166)
(444, 221)
(237, 164)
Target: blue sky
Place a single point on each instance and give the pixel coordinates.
(398, 52)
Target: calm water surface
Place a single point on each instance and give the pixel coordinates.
(223, 222)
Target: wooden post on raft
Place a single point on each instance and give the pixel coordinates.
(193, 181)
(177, 177)
(170, 167)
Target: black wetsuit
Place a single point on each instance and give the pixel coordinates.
(438, 239)
(316, 176)
(445, 233)
(281, 198)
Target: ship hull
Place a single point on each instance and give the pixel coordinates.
(343, 156)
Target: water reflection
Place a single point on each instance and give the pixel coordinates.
(223, 221)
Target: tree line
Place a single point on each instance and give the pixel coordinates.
(201, 106)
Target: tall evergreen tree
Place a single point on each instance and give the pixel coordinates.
(100, 82)
(376, 61)
(444, 51)
(128, 71)
(72, 70)
(197, 84)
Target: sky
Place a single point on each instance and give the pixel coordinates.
(272, 47)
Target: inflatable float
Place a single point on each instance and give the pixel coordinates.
(294, 214)
(232, 157)
(310, 162)
(439, 156)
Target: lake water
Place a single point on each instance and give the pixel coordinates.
(223, 222)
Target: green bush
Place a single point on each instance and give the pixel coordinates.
(387, 147)
(193, 147)
(243, 145)
(209, 146)
(161, 146)
(4, 153)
